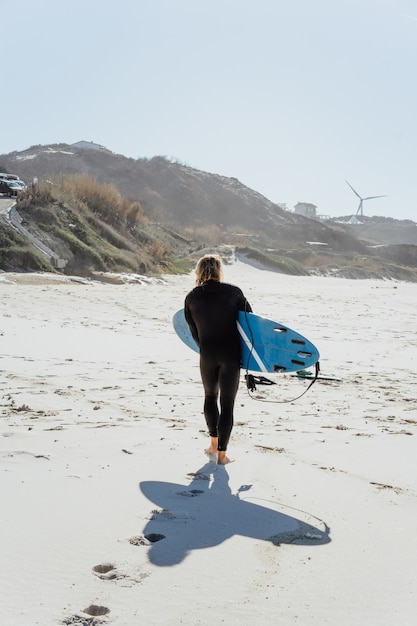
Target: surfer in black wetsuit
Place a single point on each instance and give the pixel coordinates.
(211, 310)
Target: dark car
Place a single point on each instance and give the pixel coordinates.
(10, 187)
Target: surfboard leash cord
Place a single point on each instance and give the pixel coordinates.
(252, 381)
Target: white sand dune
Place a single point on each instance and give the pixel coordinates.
(112, 514)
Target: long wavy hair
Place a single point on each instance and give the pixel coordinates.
(209, 267)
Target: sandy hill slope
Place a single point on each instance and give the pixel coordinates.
(213, 209)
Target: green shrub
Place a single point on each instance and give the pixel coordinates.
(23, 258)
(81, 250)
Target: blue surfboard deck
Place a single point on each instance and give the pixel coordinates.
(267, 346)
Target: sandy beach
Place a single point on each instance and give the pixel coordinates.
(111, 513)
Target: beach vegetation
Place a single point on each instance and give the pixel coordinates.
(94, 228)
(18, 254)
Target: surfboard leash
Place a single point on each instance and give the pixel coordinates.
(252, 381)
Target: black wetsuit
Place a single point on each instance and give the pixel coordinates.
(211, 312)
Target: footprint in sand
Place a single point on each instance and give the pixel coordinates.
(110, 571)
(199, 476)
(191, 493)
(154, 537)
(93, 611)
(169, 514)
(105, 571)
(145, 540)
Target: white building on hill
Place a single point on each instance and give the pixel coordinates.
(89, 145)
(306, 209)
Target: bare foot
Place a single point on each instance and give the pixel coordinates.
(222, 459)
(212, 449)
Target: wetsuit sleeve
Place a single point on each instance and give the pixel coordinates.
(191, 323)
(244, 304)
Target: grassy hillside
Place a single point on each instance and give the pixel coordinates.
(100, 211)
(205, 205)
(17, 254)
(92, 227)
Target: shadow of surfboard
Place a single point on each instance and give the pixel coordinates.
(205, 513)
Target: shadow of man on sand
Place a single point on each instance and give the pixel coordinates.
(206, 513)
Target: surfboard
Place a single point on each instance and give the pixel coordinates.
(267, 346)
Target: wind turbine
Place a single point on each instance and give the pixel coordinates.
(362, 200)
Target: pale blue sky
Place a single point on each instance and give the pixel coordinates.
(291, 97)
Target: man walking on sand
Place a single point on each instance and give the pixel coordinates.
(211, 311)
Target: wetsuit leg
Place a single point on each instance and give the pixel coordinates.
(210, 378)
(223, 378)
(229, 383)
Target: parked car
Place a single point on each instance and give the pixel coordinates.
(19, 182)
(9, 177)
(11, 187)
